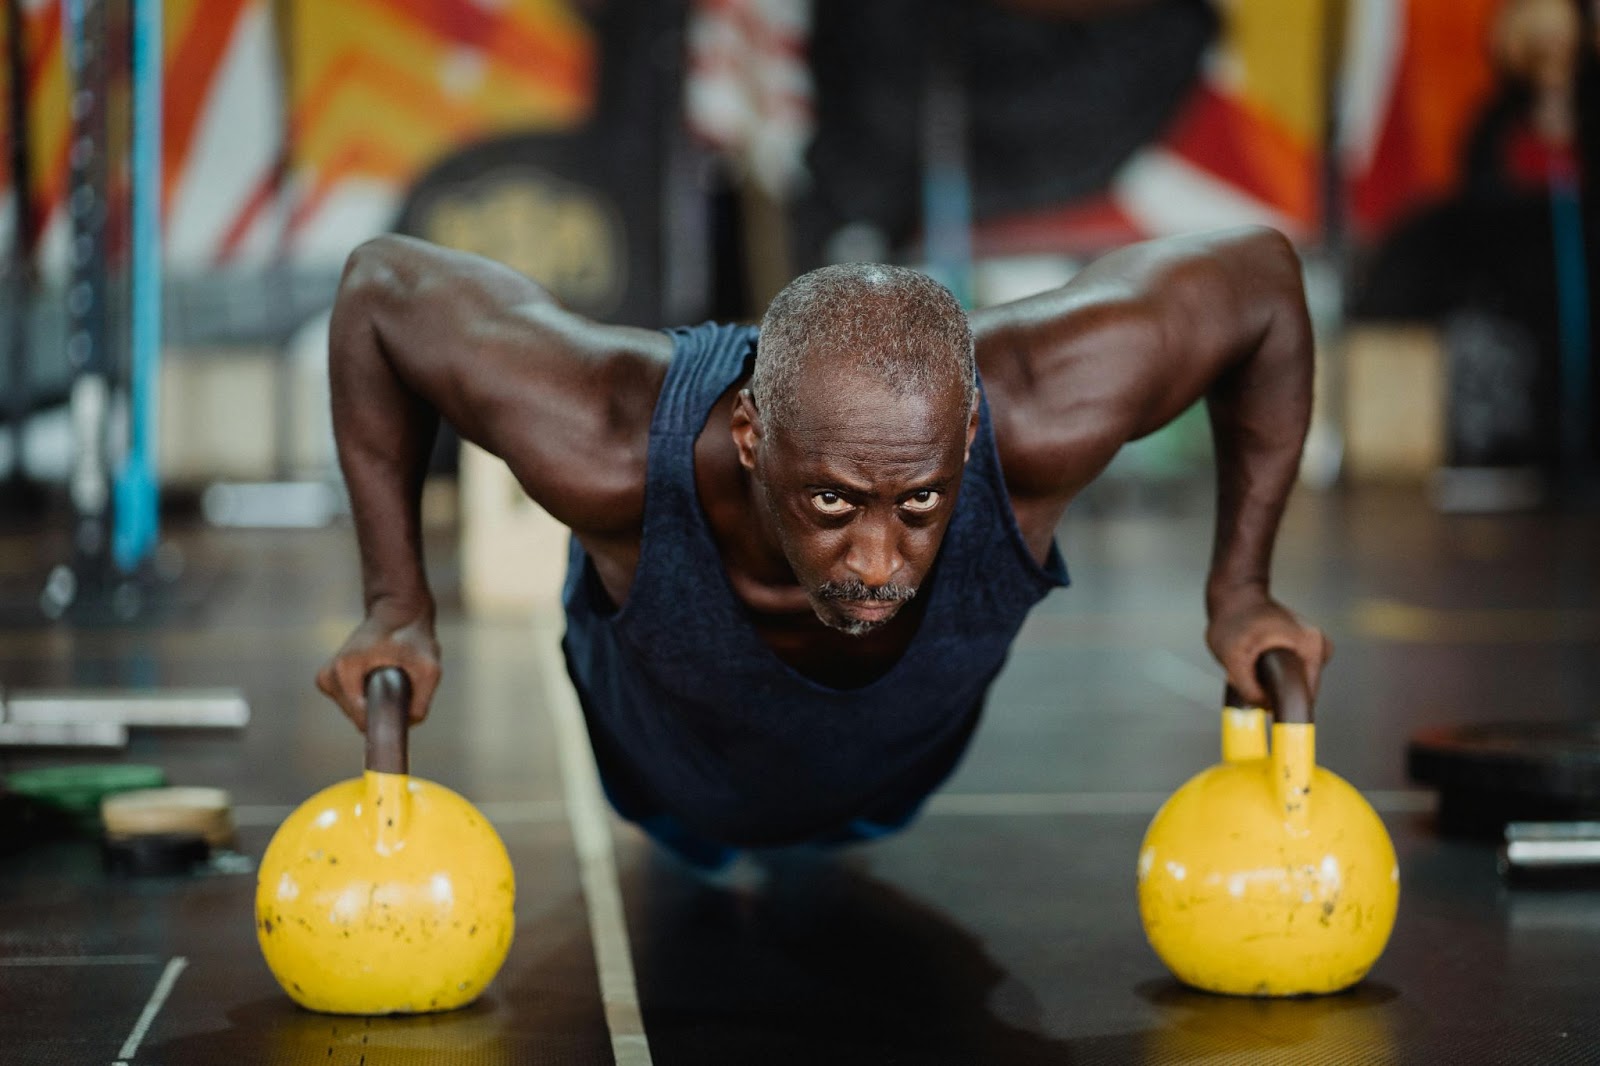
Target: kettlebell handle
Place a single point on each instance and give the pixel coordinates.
(1283, 676)
(388, 692)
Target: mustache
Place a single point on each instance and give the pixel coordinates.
(856, 591)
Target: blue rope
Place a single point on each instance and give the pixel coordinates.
(1572, 313)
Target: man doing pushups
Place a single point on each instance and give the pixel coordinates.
(800, 553)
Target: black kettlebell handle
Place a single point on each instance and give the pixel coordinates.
(1283, 676)
(388, 692)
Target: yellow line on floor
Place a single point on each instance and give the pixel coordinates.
(1392, 620)
(597, 862)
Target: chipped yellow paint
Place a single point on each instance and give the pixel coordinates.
(1268, 875)
(1244, 733)
(385, 894)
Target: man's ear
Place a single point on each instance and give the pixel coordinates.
(746, 428)
(972, 426)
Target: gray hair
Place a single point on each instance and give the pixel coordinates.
(899, 325)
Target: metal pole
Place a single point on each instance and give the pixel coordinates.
(137, 492)
(946, 169)
(88, 357)
(1572, 317)
(279, 273)
(1336, 15)
(20, 280)
(1327, 266)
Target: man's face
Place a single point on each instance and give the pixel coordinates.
(859, 488)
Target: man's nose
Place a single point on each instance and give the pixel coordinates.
(874, 556)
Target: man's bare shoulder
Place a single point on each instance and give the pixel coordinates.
(565, 401)
(595, 390)
(614, 373)
(1076, 372)
(1058, 394)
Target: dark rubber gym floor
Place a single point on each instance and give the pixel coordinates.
(1002, 928)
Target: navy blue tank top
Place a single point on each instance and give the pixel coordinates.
(693, 715)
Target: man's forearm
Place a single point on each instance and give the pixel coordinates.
(1260, 409)
(385, 434)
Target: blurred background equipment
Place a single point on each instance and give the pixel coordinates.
(1492, 774)
(1551, 854)
(684, 161)
(101, 717)
(1494, 260)
(70, 796)
(113, 354)
(164, 831)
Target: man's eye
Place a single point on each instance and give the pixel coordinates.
(926, 500)
(830, 502)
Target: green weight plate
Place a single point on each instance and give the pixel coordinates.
(78, 790)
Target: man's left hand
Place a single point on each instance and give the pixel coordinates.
(1246, 625)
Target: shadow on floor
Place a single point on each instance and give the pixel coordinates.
(817, 964)
(821, 963)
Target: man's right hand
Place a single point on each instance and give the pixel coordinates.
(386, 638)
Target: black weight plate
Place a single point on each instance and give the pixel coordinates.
(1555, 761)
(1488, 775)
(154, 854)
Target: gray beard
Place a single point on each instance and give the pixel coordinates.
(855, 627)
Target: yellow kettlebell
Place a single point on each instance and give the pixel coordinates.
(1267, 875)
(385, 894)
